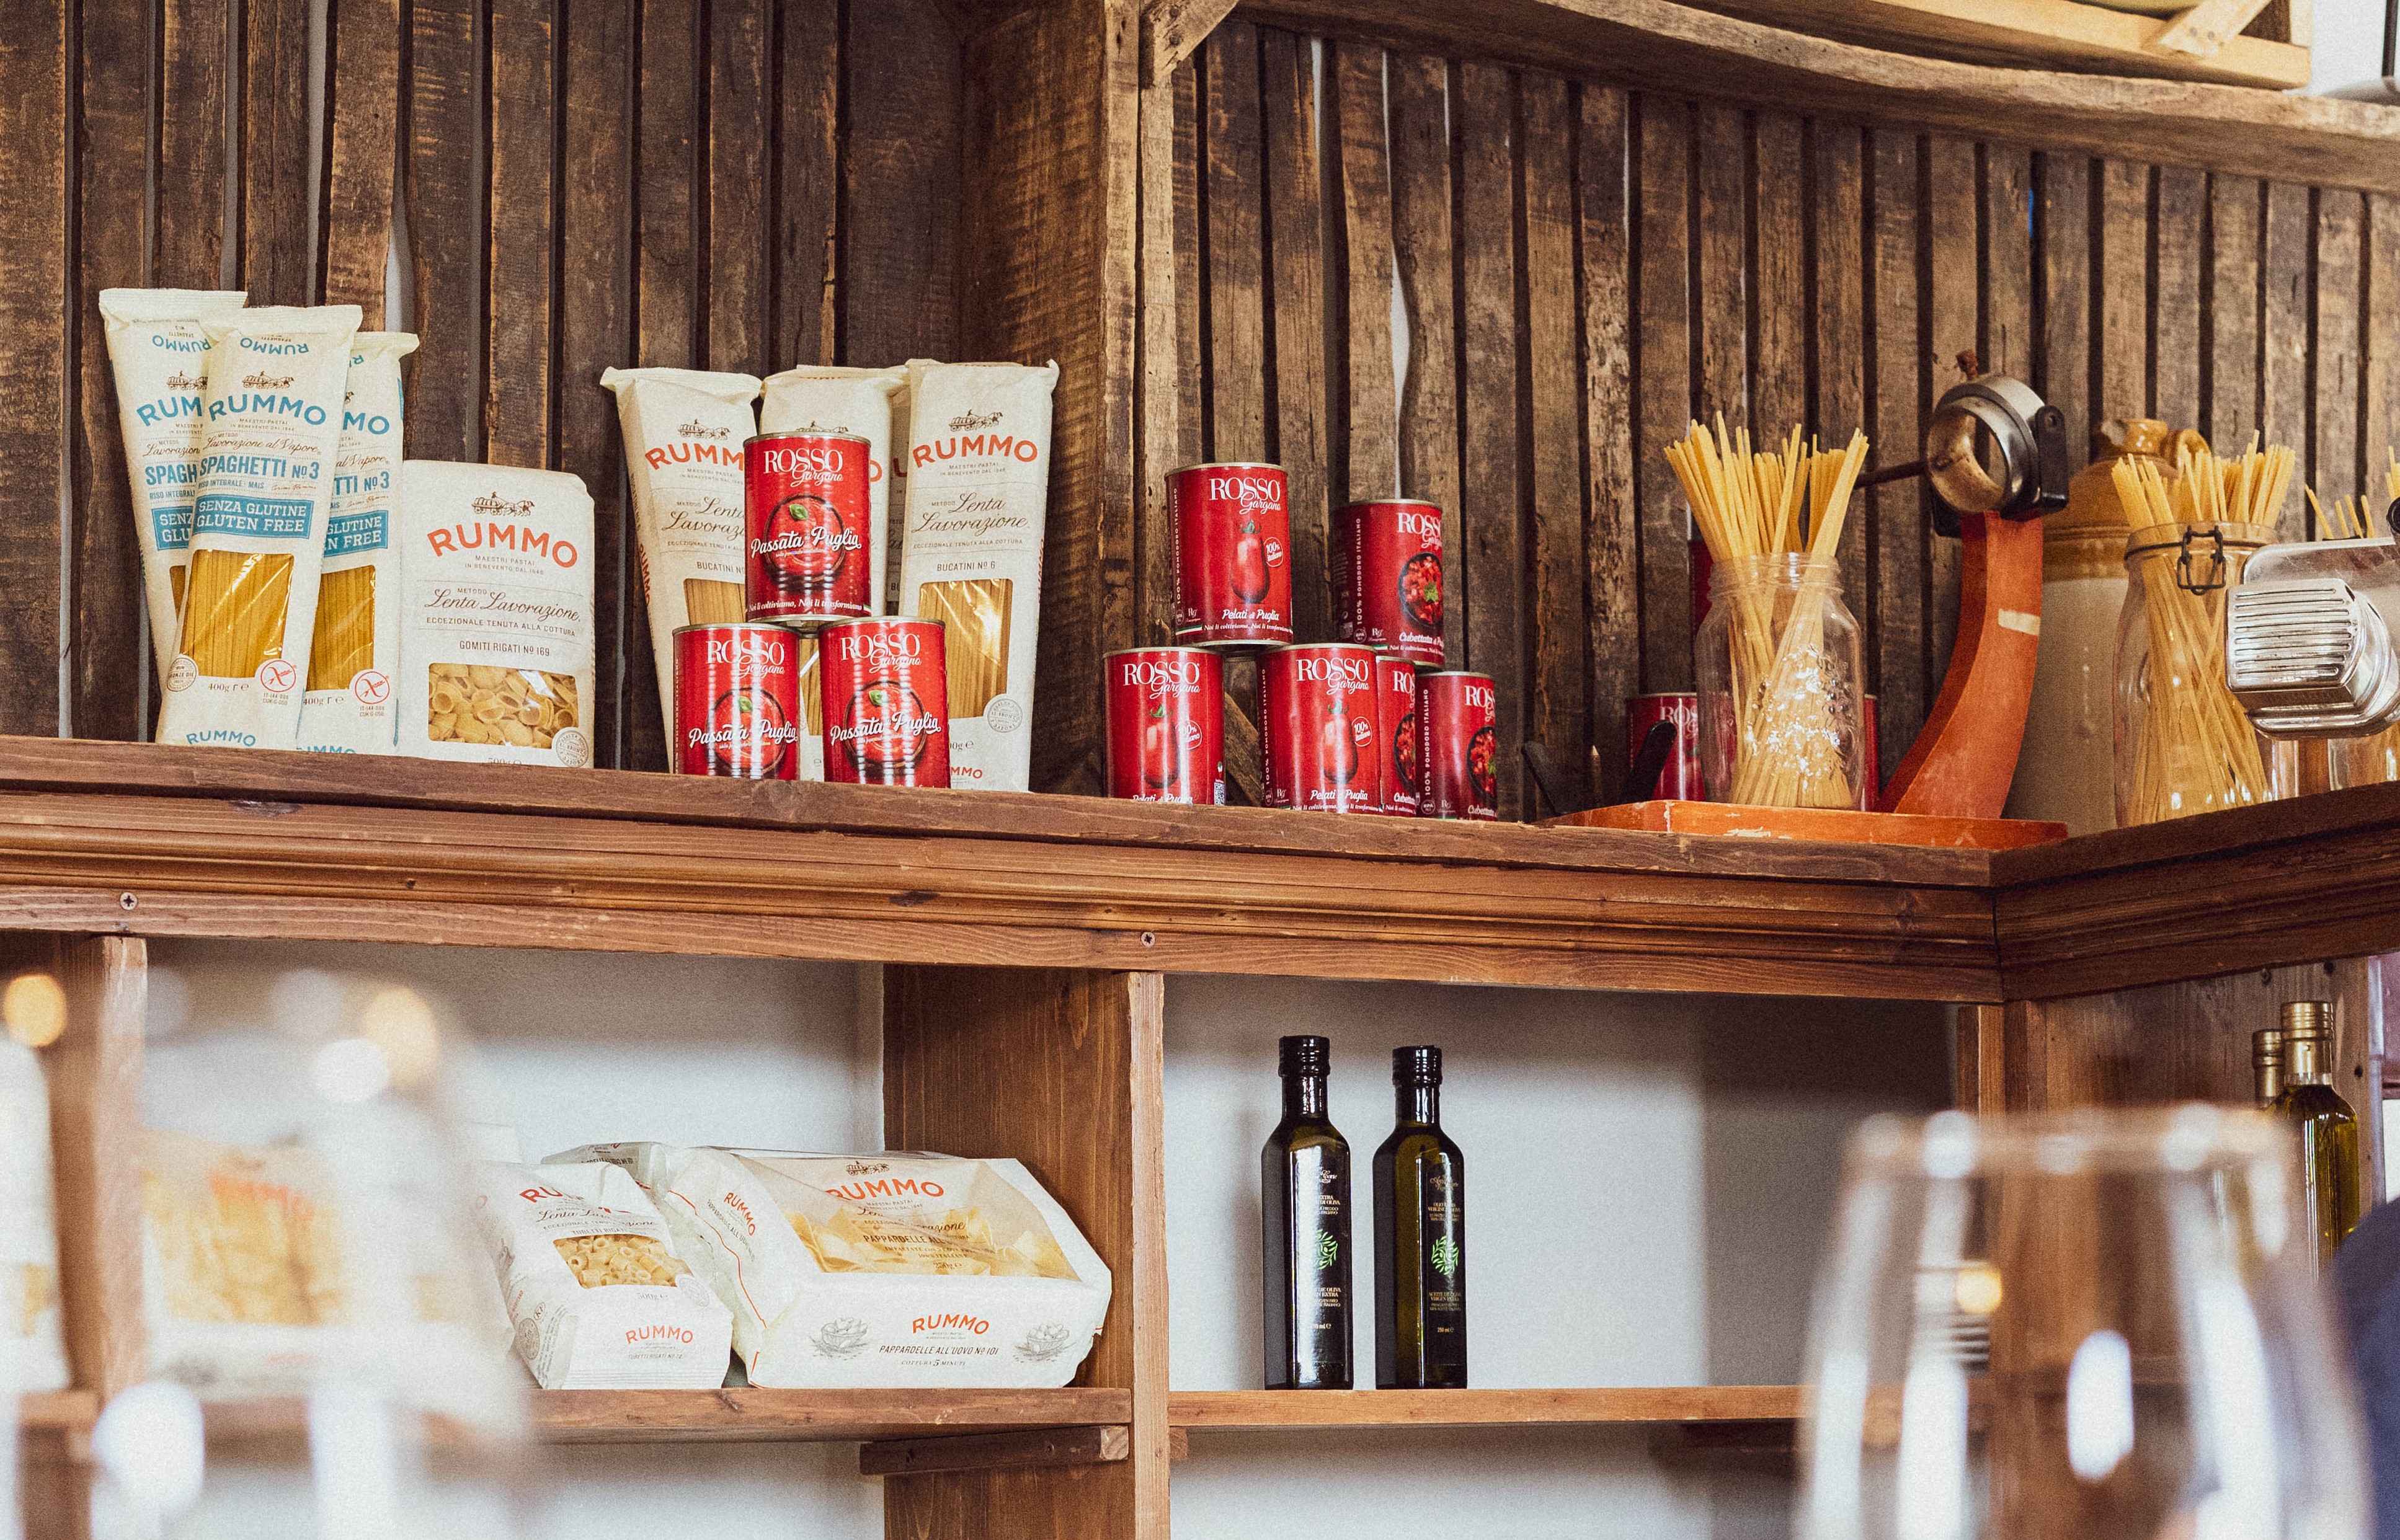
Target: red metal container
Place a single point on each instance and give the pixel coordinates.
(1166, 724)
(1679, 781)
(1458, 720)
(1318, 727)
(1388, 579)
(1870, 793)
(887, 712)
(737, 701)
(807, 520)
(1231, 533)
(1396, 734)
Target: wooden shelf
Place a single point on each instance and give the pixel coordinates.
(1661, 45)
(812, 1416)
(71, 1412)
(1291, 1409)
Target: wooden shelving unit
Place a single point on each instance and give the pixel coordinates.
(1256, 1410)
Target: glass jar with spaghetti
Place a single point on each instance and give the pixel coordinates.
(1779, 665)
(2183, 742)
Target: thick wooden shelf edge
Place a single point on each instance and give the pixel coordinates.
(1201, 1410)
(812, 1416)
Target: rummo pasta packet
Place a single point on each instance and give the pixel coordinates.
(971, 557)
(496, 647)
(348, 706)
(598, 1299)
(271, 422)
(684, 430)
(879, 1271)
(161, 354)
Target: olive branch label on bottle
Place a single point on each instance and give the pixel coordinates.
(1445, 1256)
(1329, 1250)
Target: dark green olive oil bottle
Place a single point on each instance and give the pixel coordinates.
(1304, 1252)
(1419, 1238)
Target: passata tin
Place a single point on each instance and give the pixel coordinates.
(1388, 579)
(806, 522)
(1458, 718)
(887, 714)
(737, 701)
(1319, 725)
(1166, 724)
(1679, 780)
(1396, 734)
(1231, 539)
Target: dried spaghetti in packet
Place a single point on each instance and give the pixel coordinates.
(348, 707)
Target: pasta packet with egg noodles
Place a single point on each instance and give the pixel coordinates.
(599, 1300)
(348, 706)
(883, 1271)
(495, 645)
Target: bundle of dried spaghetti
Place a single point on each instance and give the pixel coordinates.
(2194, 750)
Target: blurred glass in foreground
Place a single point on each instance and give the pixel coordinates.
(2082, 1327)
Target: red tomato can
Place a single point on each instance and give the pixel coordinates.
(1231, 528)
(1458, 722)
(1319, 727)
(804, 509)
(737, 701)
(1679, 780)
(887, 712)
(1396, 734)
(1166, 724)
(1388, 577)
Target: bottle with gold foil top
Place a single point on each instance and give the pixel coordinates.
(2266, 1063)
(2328, 1131)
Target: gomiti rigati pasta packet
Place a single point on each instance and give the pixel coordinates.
(878, 1270)
(978, 490)
(826, 398)
(599, 1300)
(684, 430)
(496, 642)
(271, 421)
(160, 356)
(348, 707)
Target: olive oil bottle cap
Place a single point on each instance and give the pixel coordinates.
(1304, 1055)
(1418, 1065)
(2267, 1045)
(2308, 1019)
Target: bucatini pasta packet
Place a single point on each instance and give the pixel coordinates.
(495, 647)
(684, 430)
(33, 1352)
(271, 422)
(971, 557)
(348, 706)
(879, 1271)
(599, 1300)
(160, 356)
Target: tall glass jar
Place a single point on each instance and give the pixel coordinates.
(2183, 743)
(1778, 664)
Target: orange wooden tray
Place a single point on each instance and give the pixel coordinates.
(1871, 828)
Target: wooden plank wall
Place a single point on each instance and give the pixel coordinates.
(719, 184)
(1582, 270)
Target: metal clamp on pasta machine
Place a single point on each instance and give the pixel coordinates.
(2309, 647)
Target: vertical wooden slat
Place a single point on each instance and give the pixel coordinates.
(112, 149)
(2176, 298)
(190, 246)
(2286, 385)
(95, 1076)
(806, 250)
(1237, 312)
(1160, 364)
(1558, 710)
(1954, 216)
(33, 344)
(1365, 457)
(595, 328)
(519, 282)
(276, 152)
(2232, 311)
(1191, 282)
(1720, 155)
(362, 110)
(1896, 541)
(2008, 342)
(445, 225)
(1778, 389)
(1418, 88)
(2379, 332)
(1663, 371)
(2120, 353)
(739, 35)
(2063, 279)
(2341, 228)
(1296, 251)
(902, 172)
(667, 198)
(1483, 113)
(1838, 287)
(1612, 597)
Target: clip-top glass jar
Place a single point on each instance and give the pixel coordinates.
(1778, 664)
(2184, 745)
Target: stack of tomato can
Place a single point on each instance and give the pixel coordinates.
(1369, 722)
(881, 679)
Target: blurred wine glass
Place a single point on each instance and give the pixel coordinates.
(2079, 1327)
